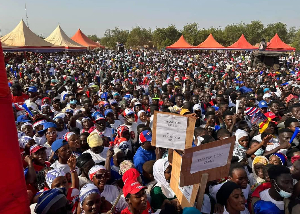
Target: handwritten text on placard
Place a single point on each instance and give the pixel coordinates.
(210, 158)
(187, 192)
(171, 131)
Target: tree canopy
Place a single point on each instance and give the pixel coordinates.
(194, 34)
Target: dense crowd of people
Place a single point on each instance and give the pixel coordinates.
(85, 122)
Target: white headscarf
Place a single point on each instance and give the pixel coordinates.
(139, 115)
(239, 134)
(159, 169)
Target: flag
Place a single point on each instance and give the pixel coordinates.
(238, 76)
(258, 117)
(284, 84)
(251, 110)
(260, 73)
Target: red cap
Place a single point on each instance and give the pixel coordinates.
(35, 148)
(130, 176)
(270, 115)
(132, 188)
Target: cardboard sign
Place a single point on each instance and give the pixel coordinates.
(186, 195)
(172, 131)
(212, 158)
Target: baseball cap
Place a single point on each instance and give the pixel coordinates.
(263, 104)
(130, 175)
(35, 148)
(104, 95)
(22, 119)
(266, 89)
(58, 144)
(132, 188)
(197, 107)
(112, 102)
(47, 125)
(128, 112)
(99, 117)
(32, 89)
(267, 95)
(107, 111)
(145, 135)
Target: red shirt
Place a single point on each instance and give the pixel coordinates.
(19, 99)
(146, 211)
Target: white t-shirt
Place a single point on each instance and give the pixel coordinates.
(64, 167)
(97, 158)
(265, 196)
(111, 193)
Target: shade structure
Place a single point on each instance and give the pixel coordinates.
(210, 44)
(85, 41)
(242, 44)
(180, 44)
(59, 38)
(276, 44)
(23, 39)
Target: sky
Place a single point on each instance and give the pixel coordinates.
(96, 16)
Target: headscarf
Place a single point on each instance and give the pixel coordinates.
(139, 115)
(52, 174)
(25, 124)
(94, 140)
(224, 192)
(48, 198)
(87, 190)
(259, 159)
(125, 165)
(94, 170)
(159, 169)
(281, 157)
(239, 151)
(68, 135)
(239, 134)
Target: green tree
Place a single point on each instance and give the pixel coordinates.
(254, 31)
(94, 38)
(233, 32)
(279, 28)
(296, 40)
(139, 37)
(291, 34)
(190, 33)
(163, 37)
(111, 37)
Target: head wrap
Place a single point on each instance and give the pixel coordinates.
(46, 98)
(224, 192)
(24, 140)
(48, 198)
(259, 159)
(25, 124)
(52, 174)
(87, 190)
(281, 157)
(94, 140)
(68, 135)
(159, 169)
(239, 134)
(94, 170)
(125, 165)
(40, 122)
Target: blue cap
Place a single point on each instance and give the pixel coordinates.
(145, 136)
(266, 89)
(70, 111)
(32, 89)
(113, 102)
(104, 95)
(58, 144)
(47, 125)
(245, 90)
(107, 111)
(262, 104)
(22, 119)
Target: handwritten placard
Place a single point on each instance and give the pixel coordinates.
(186, 191)
(210, 158)
(172, 131)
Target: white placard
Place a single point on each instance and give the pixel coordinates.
(210, 158)
(237, 106)
(171, 131)
(187, 192)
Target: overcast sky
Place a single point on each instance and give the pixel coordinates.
(95, 16)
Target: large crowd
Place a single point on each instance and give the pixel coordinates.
(85, 122)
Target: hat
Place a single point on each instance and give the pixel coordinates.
(130, 175)
(145, 135)
(52, 174)
(132, 188)
(83, 159)
(87, 190)
(47, 125)
(98, 116)
(58, 144)
(94, 170)
(107, 111)
(267, 95)
(262, 104)
(266, 90)
(197, 107)
(22, 119)
(112, 102)
(270, 115)
(94, 140)
(128, 112)
(68, 135)
(35, 148)
(69, 111)
(32, 89)
(104, 95)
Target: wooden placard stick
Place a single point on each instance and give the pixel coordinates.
(201, 192)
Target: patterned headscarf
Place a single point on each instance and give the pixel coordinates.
(87, 190)
(125, 165)
(94, 170)
(24, 140)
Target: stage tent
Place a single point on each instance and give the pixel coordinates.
(59, 38)
(85, 41)
(210, 44)
(241, 44)
(276, 44)
(180, 44)
(23, 39)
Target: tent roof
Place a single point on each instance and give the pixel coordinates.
(277, 44)
(59, 38)
(180, 44)
(22, 36)
(242, 44)
(210, 43)
(83, 40)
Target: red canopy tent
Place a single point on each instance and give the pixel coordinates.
(276, 44)
(241, 44)
(180, 44)
(82, 39)
(210, 44)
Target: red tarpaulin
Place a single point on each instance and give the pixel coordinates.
(180, 44)
(13, 197)
(82, 39)
(276, 44)
(210, 44)
(242, 44)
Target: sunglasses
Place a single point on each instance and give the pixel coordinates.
(101, 176)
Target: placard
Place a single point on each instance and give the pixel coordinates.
(172, 131)
(212, 158)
